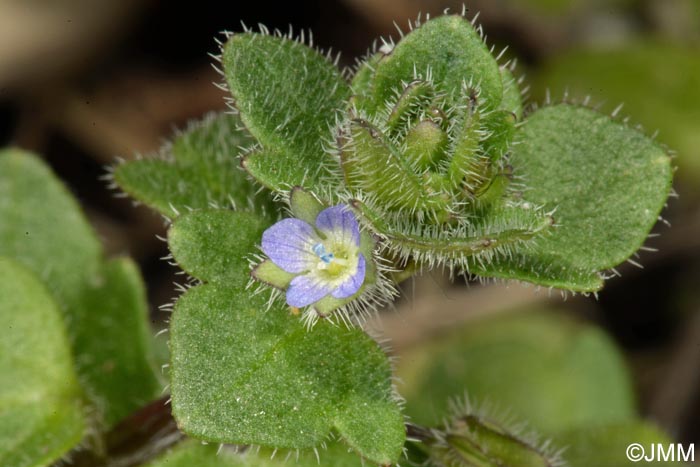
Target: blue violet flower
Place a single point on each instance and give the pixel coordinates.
(324, 259)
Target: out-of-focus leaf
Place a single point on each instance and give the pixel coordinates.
(41, 415)
(541, 367)
(102, 303)
(195, 454)
(606, 444)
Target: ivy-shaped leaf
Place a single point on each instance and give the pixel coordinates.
(41, 414)
(200, 168)
(288, 95)
(102, 303)
(606, 181)
(245, 374)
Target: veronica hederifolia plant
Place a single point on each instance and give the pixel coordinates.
(423, 156)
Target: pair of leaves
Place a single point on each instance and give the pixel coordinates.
(102, 303)
(225, 342)
(246, 374)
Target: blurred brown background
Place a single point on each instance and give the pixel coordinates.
(85, 81)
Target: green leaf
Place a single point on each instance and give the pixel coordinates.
(246, 374)
(242, 374)
(608, 184)
(212, 245)
(540, 367)
(512, 97)
(451, 49)
(288, 95)
(200, 168)
(41, 415)
(193, 453)
(42, 226)
(112, 341)
(103, 304)
(606, 444)
(656, 98)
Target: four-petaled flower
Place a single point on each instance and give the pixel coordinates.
(326, 258)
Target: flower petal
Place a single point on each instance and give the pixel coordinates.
(339, 221)
(353, 283)
(307, 289)
(289, 244)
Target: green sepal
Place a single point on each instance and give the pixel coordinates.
(269, 273)
(425, 144)
(372, 163)
(304, 205)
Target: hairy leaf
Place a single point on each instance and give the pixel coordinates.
(541, 368)
(288, 95)
(659, 100)
(246, 374)
(41, 415)
(212, 245)
(606, 181)
(200, 168)
(450, 50)
(193, 453)
(103, 304)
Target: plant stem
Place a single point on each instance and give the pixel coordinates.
(137, 439)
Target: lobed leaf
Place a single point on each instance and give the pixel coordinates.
(287, 95)
(608, 184)
(199, 168)
(246, 374)
(41, 414)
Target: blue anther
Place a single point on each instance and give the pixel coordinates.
(321, 252)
